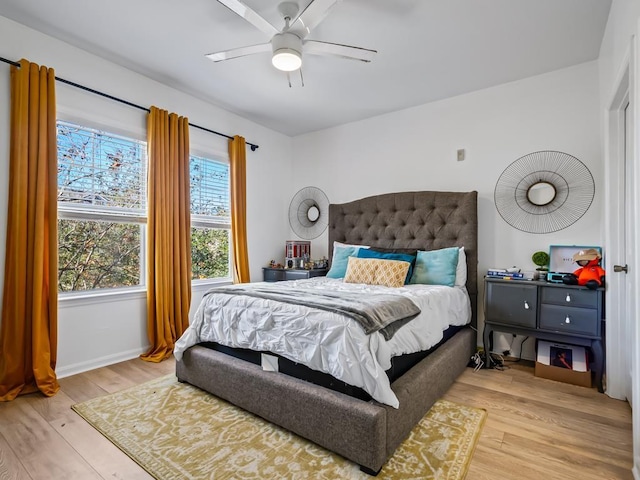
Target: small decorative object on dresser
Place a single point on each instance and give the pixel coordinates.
(568, 314)
(562, 262)
(282, 274)
(296, 252)
(541, 259)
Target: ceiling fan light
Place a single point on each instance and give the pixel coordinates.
(287, 52)
(286, 59)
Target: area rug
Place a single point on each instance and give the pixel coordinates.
(177, 431)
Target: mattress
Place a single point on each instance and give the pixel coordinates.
(325, 341)
(399, 365)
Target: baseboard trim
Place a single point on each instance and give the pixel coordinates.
(73, 369)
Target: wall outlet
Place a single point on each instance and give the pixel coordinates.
(461, 154)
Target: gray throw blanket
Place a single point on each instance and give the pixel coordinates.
(380, 312)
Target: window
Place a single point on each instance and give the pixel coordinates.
(101, 209)
(210, 218)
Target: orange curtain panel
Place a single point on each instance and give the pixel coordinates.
(238, 159)
(168, 232)
(29, 329)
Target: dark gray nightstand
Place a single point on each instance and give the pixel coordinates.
(281, 274)
(547, 311)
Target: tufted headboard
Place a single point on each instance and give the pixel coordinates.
(412, 221)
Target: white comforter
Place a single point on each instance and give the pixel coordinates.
(325, 341)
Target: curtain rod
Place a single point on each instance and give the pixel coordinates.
(120, 100)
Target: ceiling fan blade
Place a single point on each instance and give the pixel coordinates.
(316, 47)
(250, 16)
(315, 12)
(239, 52)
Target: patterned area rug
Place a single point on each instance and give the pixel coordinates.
(176, 431)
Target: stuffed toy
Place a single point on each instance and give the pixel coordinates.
(590, 274)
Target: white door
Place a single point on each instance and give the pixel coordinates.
(627, 260)
(619, 252)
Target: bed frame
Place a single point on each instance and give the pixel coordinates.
(365, 432)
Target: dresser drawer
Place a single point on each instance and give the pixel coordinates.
(511, 303)
(273, 275)
(297, 274)
(280, 274)
(570, 297)
(581, 321)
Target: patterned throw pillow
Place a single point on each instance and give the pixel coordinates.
(403, 257)
(374, 271)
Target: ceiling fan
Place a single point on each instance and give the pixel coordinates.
(288, 45)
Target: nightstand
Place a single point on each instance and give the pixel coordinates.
(281, 274)
(547, 311)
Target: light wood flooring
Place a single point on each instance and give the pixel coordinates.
(536, 429)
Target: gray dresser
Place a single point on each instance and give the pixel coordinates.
(547, 311)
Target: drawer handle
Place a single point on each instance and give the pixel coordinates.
(567, 320)
(526, 305)
(568, 299)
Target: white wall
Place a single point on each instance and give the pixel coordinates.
(112, 328)
(415, 149)
(621, 27)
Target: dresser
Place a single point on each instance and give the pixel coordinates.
(280, 274)
(547, 311)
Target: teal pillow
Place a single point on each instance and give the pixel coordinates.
(436, 267)
(403, 257)
(341, 260)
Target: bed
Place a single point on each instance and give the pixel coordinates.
(362, 430)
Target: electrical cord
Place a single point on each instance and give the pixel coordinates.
(497, 362)
(520, 355)
(476, 359)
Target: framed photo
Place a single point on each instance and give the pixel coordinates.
(561, 257)
(561, 357)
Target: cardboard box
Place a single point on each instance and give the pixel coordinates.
(573, 357)
(563, 375)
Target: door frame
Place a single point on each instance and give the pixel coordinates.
(634, 104)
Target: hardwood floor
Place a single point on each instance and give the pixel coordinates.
(536, 428)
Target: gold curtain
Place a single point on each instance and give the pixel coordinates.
(238, 160)
(29, 331)
(168, 232)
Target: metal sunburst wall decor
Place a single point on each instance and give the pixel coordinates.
(309, 212)
(544, 192)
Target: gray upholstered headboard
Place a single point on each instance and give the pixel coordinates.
(412, 221)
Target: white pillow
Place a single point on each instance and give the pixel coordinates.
(340, 244)
(461, 269)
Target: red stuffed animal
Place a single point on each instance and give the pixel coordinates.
(590, 274)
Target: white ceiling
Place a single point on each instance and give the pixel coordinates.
(427, 50)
